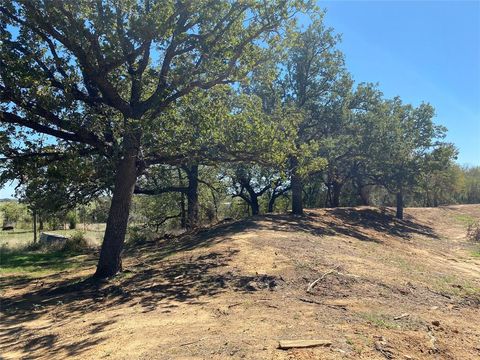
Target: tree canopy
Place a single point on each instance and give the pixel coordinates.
(189, 104)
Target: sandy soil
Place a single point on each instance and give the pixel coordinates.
(388, 290)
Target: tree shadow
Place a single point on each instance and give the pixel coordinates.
(157, 280)
(40, 345)
(356, 223)
(154, 283)
(383, 220)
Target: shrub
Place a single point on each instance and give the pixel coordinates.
(473, 232)
(76, 243)
(72, 220)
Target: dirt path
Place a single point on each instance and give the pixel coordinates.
(390, 290)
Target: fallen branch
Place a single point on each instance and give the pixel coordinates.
(311, 301)
(401, 316)
(288, 344)
(312, 284)
(192, 342)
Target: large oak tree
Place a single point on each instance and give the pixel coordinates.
(94, 75)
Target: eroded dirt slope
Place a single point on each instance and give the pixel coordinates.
(388, 289)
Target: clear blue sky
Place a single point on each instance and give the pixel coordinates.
(420, 50)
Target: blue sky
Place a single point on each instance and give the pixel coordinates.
(420, 50)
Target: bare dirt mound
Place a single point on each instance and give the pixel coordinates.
(386, 289)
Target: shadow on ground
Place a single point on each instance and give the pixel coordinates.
(156, 280)
(355, 223)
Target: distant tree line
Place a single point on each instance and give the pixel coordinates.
(203, 109)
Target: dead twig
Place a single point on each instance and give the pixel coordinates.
(271, 306)
(312, 284)
(289, 344)
(192, 342)
(311, 301)
(401, 316)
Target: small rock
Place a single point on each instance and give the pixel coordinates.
(436, 323)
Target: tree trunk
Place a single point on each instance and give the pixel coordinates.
(183, 213)
(192, 197)
(334, 190)
(363, 194)
(34, 227)
(254, 204)
(399, 214)
(40, 223)
(110, 262)
(271, 202)
(297, 188)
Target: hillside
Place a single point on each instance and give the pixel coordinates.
(387, 289)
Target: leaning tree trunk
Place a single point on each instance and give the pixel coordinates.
(192, 197)
(110, 262)
(400, 205)
(297, 188)
(253, 196)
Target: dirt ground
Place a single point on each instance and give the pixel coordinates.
(387, 289)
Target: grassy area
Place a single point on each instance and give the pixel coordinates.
(36, 260)
(380, 320)
(454, 285)
(37, 263)
(19, 238)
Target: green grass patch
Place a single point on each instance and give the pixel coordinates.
(464, 219)
(451, 284)
(406, 265)
(476, 253)
(38, 263)
(380, 320)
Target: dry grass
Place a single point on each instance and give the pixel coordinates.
(235, 290)
(20, 238)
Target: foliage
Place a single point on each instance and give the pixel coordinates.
(12, 212)
(187, 104)
(72, 220)
(76, 243)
